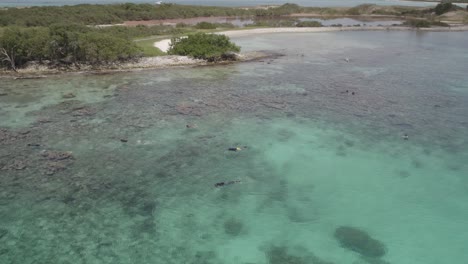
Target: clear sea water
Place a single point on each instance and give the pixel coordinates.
(218, 2)
(313, 157)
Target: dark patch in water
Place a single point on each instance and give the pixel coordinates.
(233, 227)
(349, 143)
(3, 232)
(454, 167)
(341, 151)
(374, 260)
(138, 203)
(285, 135)
(282, 255)
(404, 125)
(68, 199)
(403, 174)
(147, 226)
(148, 208)
(205, 257)
(360, 241)
(417, 163)
(427, 151)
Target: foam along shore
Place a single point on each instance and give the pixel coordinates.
(164, 44)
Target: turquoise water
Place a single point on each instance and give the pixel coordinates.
(313, 157)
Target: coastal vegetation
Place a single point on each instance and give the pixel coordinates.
(210, 47)
(424, 23)
(444, 7)
(118, 13)
(308, 24)
(87, 14)
(451, 1)
(81, 34)
(63, 44)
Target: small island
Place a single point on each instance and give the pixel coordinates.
(123, 36)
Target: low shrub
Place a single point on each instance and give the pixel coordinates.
(309, 24)
(210, 47)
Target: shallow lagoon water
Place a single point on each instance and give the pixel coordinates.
(316, 157)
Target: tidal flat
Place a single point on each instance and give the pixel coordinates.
(124, 171)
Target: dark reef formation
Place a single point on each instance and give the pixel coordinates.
(233, 227)
(282, 255)
(358, 240)
(3, 232)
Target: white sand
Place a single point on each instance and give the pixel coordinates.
(164, 44)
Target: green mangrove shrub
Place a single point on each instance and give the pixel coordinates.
(443, 8)
(63, 44)
(309, 24)
(205, 25)
(210, 47)
(417, 23)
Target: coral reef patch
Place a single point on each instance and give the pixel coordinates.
(359, 241)
(284, 255)
(233, 227)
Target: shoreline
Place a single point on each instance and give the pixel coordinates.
(36, 70)
(163, 45)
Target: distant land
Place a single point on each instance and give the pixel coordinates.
(64, 38)
(230, 3)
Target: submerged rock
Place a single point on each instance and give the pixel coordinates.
(54, 167)
(56, 155)
(3, 232)
(8, 137)
(233, 227)
(15, 164)
(205, 257)
(358, 240)
(369, 260)
(68, 96)
(281, 255)
(83, 111)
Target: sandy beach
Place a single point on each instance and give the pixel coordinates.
(164, 44)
